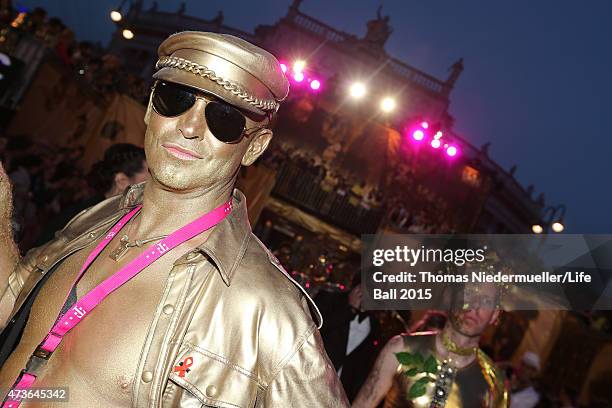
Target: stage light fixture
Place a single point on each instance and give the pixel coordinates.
(115, 16)
(557, 226)
(418, 135)
(387, 104)
(298, 76)
(298, 66)
(451, 151)
(357, 90)
(128, 34)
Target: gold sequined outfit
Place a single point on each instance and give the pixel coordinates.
(479, 384)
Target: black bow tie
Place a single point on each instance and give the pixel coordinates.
(362, 316)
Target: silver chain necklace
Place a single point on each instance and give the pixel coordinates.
(125, 245)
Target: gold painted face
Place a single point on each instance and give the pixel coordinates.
(475, 309)
(183, 155)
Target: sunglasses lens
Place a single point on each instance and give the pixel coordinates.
(172, 100)
(225, 122)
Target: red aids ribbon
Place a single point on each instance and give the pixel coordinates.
(183, 367)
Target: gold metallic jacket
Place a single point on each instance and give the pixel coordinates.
(228, 304)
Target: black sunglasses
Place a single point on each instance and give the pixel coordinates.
(225, 122)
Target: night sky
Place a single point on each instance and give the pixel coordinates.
(537, 80)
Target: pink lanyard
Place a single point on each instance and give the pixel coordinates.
(88, 302)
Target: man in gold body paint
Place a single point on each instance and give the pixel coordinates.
(465, 376)
(215, 322)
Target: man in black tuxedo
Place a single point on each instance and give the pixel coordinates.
(351, 336)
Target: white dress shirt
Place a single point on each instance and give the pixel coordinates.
(358, 331)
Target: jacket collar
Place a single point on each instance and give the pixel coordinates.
(228, 242)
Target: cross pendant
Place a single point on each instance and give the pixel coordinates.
(121, 250)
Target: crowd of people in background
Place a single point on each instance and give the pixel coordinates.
(103, 72)
(45, 180)
(415, 208)
(50, 187)
(331, 178)
(50, 184)
(411, 208)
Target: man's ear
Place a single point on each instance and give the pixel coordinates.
(121, 182)
(147, 115)
(257, 146)
(494, 317)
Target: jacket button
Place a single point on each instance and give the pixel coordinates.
(211, 391)
(45, 258)
(92, 234)
(147, 376)
(168, 309)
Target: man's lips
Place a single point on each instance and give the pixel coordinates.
(181, 152)
(470, 319)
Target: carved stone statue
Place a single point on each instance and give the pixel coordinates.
(513, 170)
(379, 30)
(456, 69)
(218, 20)
(485, 148)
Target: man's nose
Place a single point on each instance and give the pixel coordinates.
(192, 124)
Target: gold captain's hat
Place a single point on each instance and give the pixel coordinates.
(225, 66)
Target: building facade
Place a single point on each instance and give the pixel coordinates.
(497, 202)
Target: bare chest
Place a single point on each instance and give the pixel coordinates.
(98, 358)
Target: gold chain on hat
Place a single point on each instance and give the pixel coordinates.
(234, 88)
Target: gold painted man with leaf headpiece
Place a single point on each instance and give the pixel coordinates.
(444, 368)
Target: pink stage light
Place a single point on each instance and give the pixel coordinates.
(315, 84)
(283, 68)
(418, 135)
(424, 125)
(436, 143)
(452, 151)
(298, 76)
